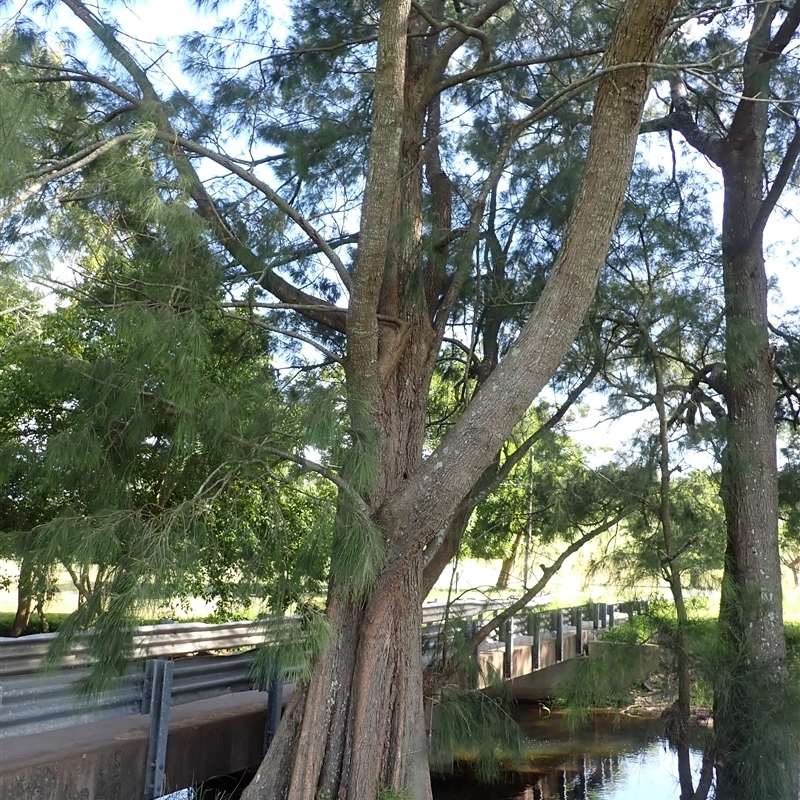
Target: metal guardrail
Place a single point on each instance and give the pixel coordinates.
(35, 703)
(169, 640)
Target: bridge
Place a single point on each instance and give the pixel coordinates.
(180, 716)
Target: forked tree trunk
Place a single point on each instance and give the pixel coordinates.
(358, 726)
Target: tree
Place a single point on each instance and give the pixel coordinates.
(22, 505)
(744, 134)
(352, 730)
(661, 339)
(549, 497)
(789, 497)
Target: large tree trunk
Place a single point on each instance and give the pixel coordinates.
(758, 751)
(359, 724)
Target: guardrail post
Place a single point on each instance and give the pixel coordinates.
(508, 655)
(611, 615)
(534, 630)
(595, 615)
(156, 702)
(603, 615)
(560, 635)
(274, 704)
(474, 627)
(577, 616)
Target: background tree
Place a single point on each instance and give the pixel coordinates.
(551, 496)
(755, 143)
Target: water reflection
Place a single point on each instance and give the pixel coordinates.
(611, 759)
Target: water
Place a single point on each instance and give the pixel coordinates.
(622, 759)
(610, 759)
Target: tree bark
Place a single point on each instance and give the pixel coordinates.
(677, 718)
(508, 563)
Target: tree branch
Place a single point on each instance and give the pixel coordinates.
(442, 57)
(491, 479)
(269, 193)
(69, 165)
(301, 337)
(467, 30)
(327, 473)
(547, 574)
(206, 206)
(682, 121)
(783, 35)
(472, 74)
(71, 75)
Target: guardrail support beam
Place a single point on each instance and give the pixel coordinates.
(156, 702)
(274, 703)
(508, 654)
(560, 635)
(577, 617)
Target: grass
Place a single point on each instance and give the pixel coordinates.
(476, 581)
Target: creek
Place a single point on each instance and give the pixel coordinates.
(611, 758)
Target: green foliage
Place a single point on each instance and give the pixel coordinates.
(642, 629)
(387, 793)
(550, 492)
(601, 684)
(135, 421)
(599, 681)
(698, 529)
(34, 625)
(474, 727)
(291, 647)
